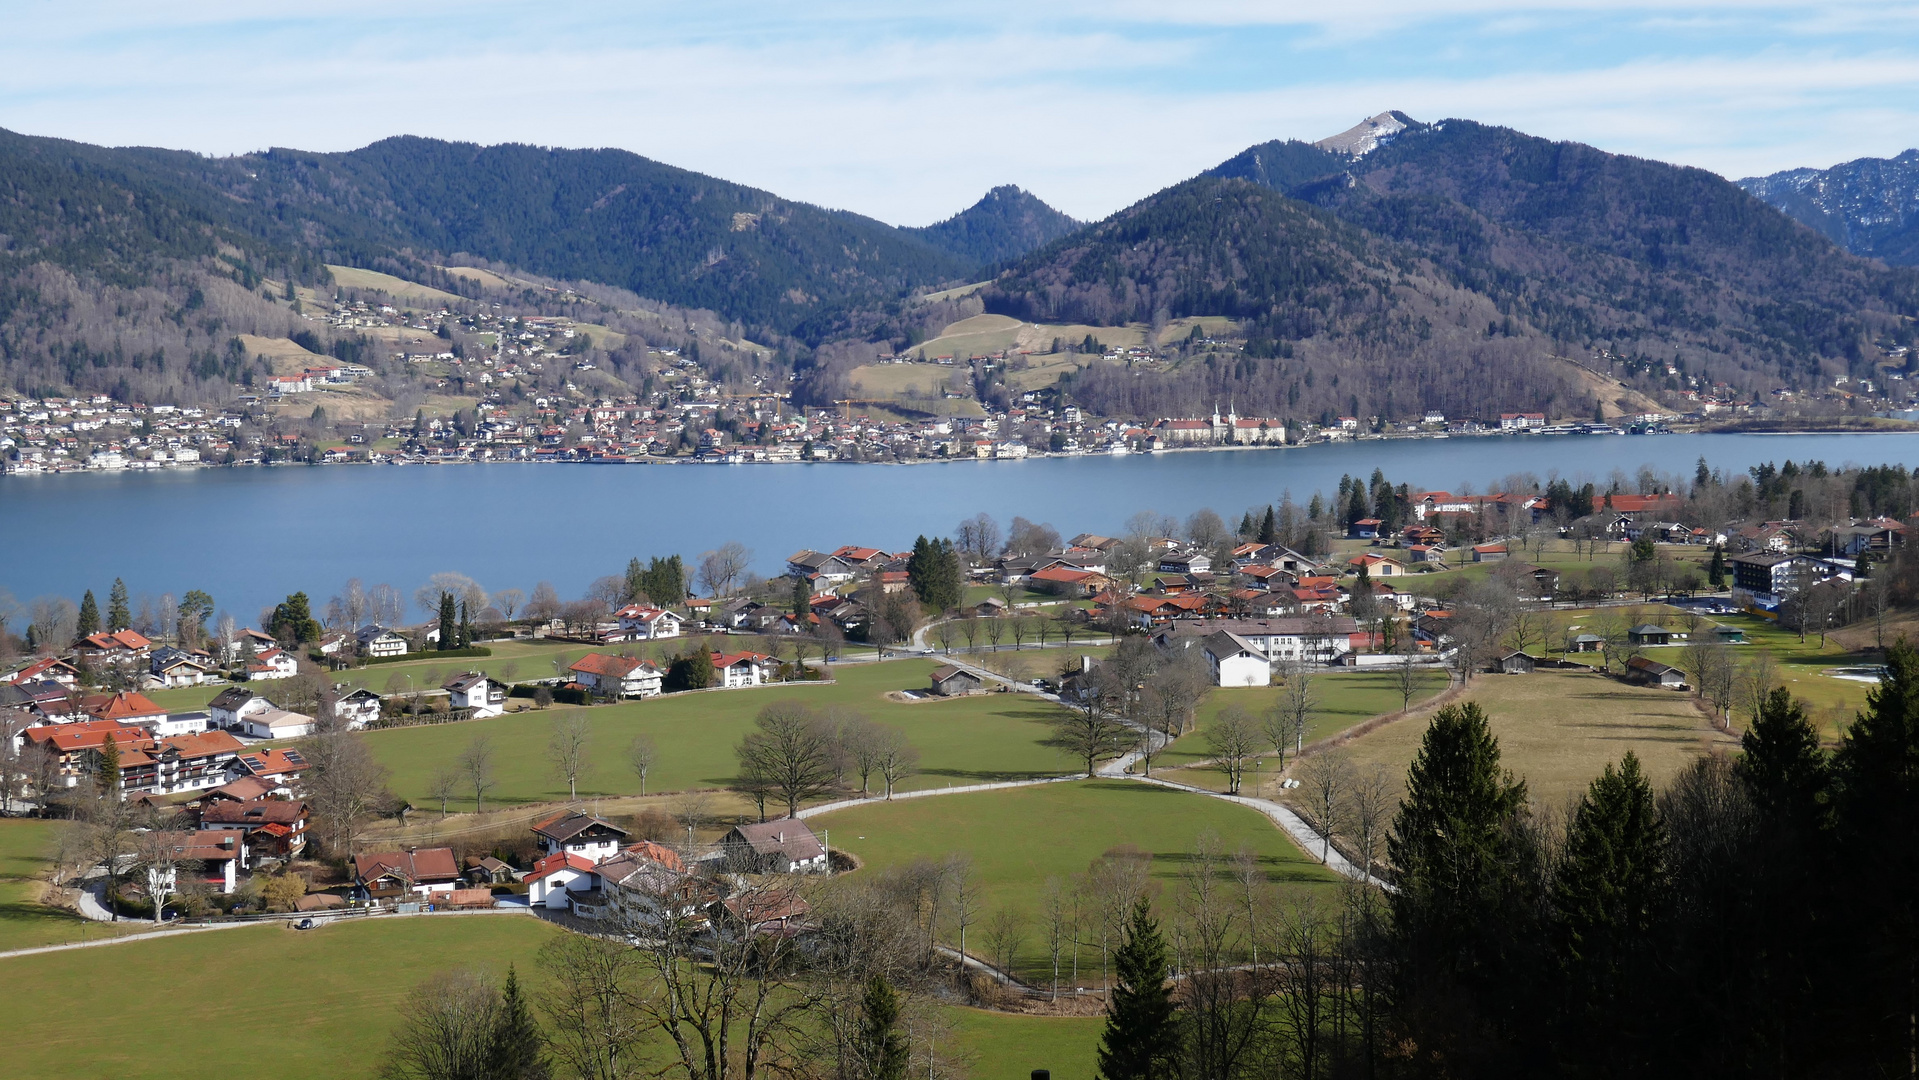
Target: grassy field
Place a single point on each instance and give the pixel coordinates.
(1558, 729)
(26, 852)
(962, 741)
(351, 277)
(282, 354)
(1019, 838)
(980, 335)
(319, 1003)
(1345, 699)
(328, 1000)
(1011, 1047)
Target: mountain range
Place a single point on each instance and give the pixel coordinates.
(1396, 267)
(1869, 206)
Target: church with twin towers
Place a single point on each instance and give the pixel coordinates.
(1228, 430)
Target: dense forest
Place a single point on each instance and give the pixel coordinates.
(1007, 223)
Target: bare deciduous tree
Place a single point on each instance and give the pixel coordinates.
(1373, 798)
(476, 768)
(566, 749)
(793, 750)
(1326, 780)
(596, 1027)
(641, 756)
(1233, 740)
(442, 787)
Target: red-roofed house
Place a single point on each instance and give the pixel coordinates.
(276, 826)
(50, 668)
(126, 707)
(556, 875)
(180, 763)
(121, 645)
(420, 872)
(623, 676)
(273, 664)
(744, 669)
(640, 622)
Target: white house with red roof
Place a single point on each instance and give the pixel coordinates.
(557, 875)
(622, 676)
(118, 646)
(735, 670)
(642, 622)
(273, 664)
(49, 668)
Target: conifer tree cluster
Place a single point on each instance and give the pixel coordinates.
(936, 573)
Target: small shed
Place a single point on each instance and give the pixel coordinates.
(1586, 643)
(949, 681)
(1648, 634)
(1653, 673)
(1515, 663)
(1729, 635)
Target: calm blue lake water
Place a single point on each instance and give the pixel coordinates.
(250, 536)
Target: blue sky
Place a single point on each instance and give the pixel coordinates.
(909, 111)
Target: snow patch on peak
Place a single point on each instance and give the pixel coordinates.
(1368, 135)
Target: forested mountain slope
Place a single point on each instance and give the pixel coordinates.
(1007, 223)
(1869, 206)
(1557, 248)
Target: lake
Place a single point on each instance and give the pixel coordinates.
(250, 536)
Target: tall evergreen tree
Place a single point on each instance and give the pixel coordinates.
(466, 626)
(880, 1046)
(516, 1049)
(107, 778)
(802, 600)
(1269, 527)
(1783, 769)
(1716, 571)
(1455, 911)
(1876, 811)
(449, 622)
(1140, 1041)
(1608, 901)
(636, 580)
(293, 620)
(119, 615)
(89, 616)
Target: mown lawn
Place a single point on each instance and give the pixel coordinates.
(259, 1001)
(1019, 838)
(26, 852)
(314, 1005)
(963, 741)
(1010, 1047)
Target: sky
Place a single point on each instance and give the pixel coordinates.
(908, 111)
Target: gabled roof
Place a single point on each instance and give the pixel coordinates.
(416, 867)
(736, 659)
(119, 639)
(568, 824)
(787, 837)
(558, 861)
(612, 667)
(126, 705)
(255, 813)
(232, 698)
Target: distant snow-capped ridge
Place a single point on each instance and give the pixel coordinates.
(1368, 135)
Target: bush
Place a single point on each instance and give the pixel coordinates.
(282, 892)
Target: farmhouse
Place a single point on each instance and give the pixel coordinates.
(278, 826)
(784, 846)
(271, 723)
(571, 832)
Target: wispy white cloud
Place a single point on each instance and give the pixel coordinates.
(909, 115)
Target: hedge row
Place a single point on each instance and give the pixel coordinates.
(561, 694)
